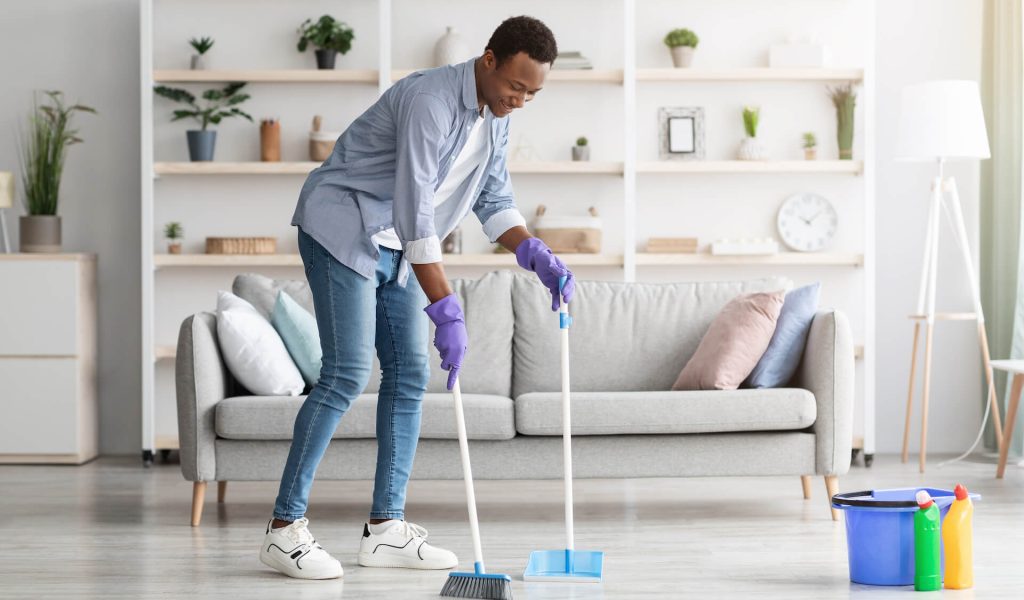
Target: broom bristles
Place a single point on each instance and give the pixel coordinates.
(469, 586)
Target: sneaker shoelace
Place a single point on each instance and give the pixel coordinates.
(299, 533)
(410, 530)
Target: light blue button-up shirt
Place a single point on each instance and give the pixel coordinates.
(386, 166)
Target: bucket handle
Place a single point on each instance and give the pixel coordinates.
(852, 499)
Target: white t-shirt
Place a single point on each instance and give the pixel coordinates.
(468, 165)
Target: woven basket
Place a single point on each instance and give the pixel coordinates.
(241, 245)
(569, 235)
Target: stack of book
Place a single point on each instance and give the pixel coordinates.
(571, 60)
(672, 245)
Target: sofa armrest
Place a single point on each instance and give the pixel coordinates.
(827, 371)
(201, 381)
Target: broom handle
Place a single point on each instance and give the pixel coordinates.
(563, 322)
(467, 475)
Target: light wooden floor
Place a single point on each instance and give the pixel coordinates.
(110, 529)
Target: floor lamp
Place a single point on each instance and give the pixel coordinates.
(6, 201)
(942, 121)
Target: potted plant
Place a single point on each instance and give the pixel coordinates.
(221, 104)
(201, 45)
(810, 146)
(329, 36)
(581, 151)
(751, 147)
(844, 97)
(50, 133)
(681, 43)
(173, 233)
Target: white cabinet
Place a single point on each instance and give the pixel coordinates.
(48, 358)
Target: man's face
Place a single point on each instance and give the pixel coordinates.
(513, 84)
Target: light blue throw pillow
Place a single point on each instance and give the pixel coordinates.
(301, 337)
(779, 362)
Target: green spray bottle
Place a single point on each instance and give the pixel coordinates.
(927, 545)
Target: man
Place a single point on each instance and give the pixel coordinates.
(401, 177)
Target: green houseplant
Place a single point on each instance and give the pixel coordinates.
(201, 46)
(844, 97)
(581, 151)
(329, 36)
(751, 147)
(44, 150)
(173, 232)
(681, 43)
(220, 104)
(810, 146)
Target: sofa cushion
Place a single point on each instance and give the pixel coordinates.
(253, 350)
(273, 417)
(734, 343)
(486, 304)
(624, 336)
(261, 291)
(711, 411)
(780, 361)
(300, 335)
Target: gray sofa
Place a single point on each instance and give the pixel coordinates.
(628, 344)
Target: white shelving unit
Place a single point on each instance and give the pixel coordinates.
(623, 172)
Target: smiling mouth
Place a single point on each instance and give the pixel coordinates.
(505, 106)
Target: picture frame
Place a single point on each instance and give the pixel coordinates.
(681, 133)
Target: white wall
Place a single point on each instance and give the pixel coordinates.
(89, 50)
(93, 55)
(914, 45)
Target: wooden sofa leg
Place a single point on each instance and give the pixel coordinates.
(222, 488)
(805, 481)
(198, 496)
(832, 487)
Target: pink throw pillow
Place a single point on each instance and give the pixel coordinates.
(733, 344)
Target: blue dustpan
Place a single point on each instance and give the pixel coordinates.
(568, 564)
(565, 565)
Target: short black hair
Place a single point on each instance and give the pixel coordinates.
(523, 34)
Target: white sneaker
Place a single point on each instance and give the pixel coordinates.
(402, 544)
(293, 551)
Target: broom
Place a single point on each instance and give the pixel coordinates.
(479, 583)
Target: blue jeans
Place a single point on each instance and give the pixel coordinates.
(354, 314)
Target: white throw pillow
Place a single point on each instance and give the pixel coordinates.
(253, 350)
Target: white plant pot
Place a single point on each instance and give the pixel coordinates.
(198, 62)
(682, 56)
(450, 49)
(752, 149)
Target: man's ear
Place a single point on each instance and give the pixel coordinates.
(490, 61)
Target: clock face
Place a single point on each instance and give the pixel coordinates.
(807, 222)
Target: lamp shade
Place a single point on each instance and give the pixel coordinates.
(6, 189)
(942, 119)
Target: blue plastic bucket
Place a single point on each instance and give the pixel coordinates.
(880, 532)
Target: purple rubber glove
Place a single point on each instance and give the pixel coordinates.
(450, 337)
(534, 255)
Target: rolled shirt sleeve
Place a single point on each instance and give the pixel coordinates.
(422, 128)
(496, 206)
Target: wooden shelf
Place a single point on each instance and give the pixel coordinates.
(266, 76)
(234, 168)
(750, 74)
(539, 167)
(614, 76)
(839, 167)
(780, 259)
(555, 75)
(293, 260)
(165, 352)
(565, 167)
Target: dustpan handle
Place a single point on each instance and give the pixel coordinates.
(564, 320)
(467, 476)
